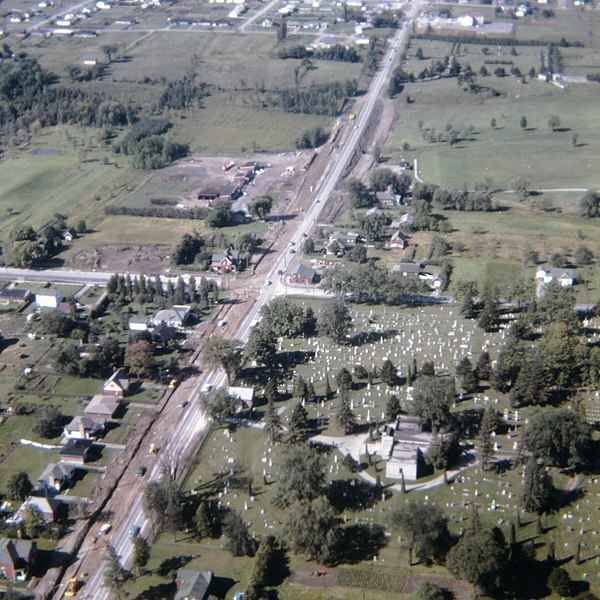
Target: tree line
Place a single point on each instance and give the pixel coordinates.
(316, 99)
(337, 52)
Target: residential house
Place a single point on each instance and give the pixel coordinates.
(117, 384)
(406, 220)
(163, 334)
(374, 210)
(244, 394)
(399, 241)
(411, 269)
(57, 476)
(48, 297)
(403, 446)
(228, 262)
(176, 316)
(546, 274)
(103, 407)
(347, 239)
(47, 507)
(303, 274)
(85, 428)
(192, 584)
(387, 198)
(16, 558)
(76, 451)
(16, 295)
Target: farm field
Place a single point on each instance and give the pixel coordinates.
(496, 155)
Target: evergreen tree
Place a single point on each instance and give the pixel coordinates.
(328, 390)
(530, 385)
(388, 372)
(484, 366)
(489, 315)
(299, 390)
(345, 418)
(271, 392)
(298, 425)
(115, 575)
(466, 374)
(273, 427)
(239, 542)
(204, 521)
(489, 423)
(141, 553)
(393, 407)
(538, 490)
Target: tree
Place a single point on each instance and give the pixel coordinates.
(559, 582)
(273, 427)
(466, 375)
(219, 405)
(154, 502)
(589, 205)
(261, 346)
(343, 378)
(521, 187)
(427, 590)
(574, 139)
(226, 354)
(81, 227)
(493, 123)
(530, 387)
(141, 553)
(282, 31)
(34, 523)
(239, 542)
(523, 123)
(538, 491)
(559, 437)
(260, 206)
(583, 255)
(263, 566)
(48, 421)
(489, 422)
(19, 486)
(302, 476)
(312, 528)
(432, 398)
(335, 320)
(345, 418)
(358, 193)
(110, 50)
(388, 372)
(115, 575)
(393, 407)
(286, 319)
(484, 366)
(139, 358)
(298, 425)
(554, 122)
(478, 558)
(204, 520)
(489, 315)
(424, 529)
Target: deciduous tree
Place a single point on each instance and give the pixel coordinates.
(302, 476)
(335, 320)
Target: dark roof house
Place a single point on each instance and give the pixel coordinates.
(76, 451)
(303, 274)
(16, 558)
(192, 584)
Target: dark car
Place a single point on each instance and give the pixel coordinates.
(141, 471)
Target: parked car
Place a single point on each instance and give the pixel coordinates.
(134, 531)
(182, 404)
(104, 529)
(141, 471)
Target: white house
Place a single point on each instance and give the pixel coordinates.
(176, 316)
(48, 298)
(84, 428)
(244, 394)
(545, 275)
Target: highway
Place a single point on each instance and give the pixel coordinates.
(189, 429)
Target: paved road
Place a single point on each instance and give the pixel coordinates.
(189, 429)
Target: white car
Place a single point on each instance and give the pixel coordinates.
(221, 323)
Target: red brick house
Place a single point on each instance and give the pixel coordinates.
(16, 558)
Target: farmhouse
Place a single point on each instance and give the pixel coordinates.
(244, 394)
(57, 476)
(403, 446)
(16, 295)
(76, 451)
(117, 384)
(303, 274)
(192, 584)
(84, 428)
(387, 198)
(48, 298)
(16, 558)
(176, 316)
(226, 262)
(546, 275)
(411, 269)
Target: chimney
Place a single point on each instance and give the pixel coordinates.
(81, 428)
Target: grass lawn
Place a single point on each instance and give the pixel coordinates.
(25, 458)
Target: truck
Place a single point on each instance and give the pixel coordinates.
(72, 587)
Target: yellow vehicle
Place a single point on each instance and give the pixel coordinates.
(72, 587)
(173, 384)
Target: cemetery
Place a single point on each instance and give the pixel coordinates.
(239, 467)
